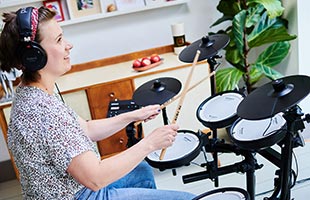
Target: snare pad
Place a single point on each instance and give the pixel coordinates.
(184, 149)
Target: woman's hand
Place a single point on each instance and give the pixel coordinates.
(162, 137)
(146, 113)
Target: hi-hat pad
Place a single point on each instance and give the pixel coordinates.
(157, 91)
(207, 45)
(274, 97)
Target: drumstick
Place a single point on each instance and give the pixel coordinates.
(182, 97)
(164, 105)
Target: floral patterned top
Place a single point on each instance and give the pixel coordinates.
(44, 135)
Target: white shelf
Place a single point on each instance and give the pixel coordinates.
(118, 13)
(10, 3)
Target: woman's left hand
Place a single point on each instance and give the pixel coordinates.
(146, 113)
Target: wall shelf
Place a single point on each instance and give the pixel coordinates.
(10, 3)
(118, 13)
(102, 15)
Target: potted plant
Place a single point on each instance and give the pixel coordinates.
(258, 41)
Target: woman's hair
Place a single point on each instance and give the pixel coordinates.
(10, 40)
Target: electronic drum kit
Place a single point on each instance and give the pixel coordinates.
(267, 116)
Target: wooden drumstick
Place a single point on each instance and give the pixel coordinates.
(164, 105)
(182, 97)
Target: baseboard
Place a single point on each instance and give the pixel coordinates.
(6, 171)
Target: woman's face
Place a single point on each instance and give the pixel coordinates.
(56, 47)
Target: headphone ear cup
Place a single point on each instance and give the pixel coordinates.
(33, 56)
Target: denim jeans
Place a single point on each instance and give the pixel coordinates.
(139, 184)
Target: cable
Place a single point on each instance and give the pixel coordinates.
(272, 110)
(59, 93)
(295, 174)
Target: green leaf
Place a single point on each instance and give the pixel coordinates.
(274, 54)
(238, 28)
(265, 70)
(273, 7)
(268, 31)
(269, 36)
(229, 7)
(255, 75)
(233, 56)
(227, 79)
(264, 24)
(254, 15)
(222, 19)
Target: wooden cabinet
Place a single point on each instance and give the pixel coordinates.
(99, 98)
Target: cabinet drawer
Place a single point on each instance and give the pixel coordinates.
(99, 97)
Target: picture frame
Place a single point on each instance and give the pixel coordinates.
(55, 5)
(123, 5)
(82, 8)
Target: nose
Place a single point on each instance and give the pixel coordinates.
(69, 46)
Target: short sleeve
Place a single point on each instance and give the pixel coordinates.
(66, 138)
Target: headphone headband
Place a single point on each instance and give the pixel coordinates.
(27, 19)
(33, 56)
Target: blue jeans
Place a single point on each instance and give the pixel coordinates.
(139, 184)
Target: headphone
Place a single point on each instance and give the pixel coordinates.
(32, 55)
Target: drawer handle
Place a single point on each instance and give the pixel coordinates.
(121, 140)
(112, 95)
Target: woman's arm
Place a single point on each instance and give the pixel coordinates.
(102, 128)
(95, 174)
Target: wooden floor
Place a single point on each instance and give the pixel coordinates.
(264, 177)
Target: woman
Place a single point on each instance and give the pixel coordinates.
(53, 148)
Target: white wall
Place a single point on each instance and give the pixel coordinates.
(297, 12)
(304, 44)
(138, 31)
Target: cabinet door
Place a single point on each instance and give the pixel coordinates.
(99, 98)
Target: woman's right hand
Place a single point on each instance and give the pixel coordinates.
(161, 137)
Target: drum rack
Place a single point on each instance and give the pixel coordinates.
(283, 183)
(248, 165)
(283, 160)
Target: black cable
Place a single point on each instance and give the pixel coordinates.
(59, 93)
(295, 174)
(272, 110)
